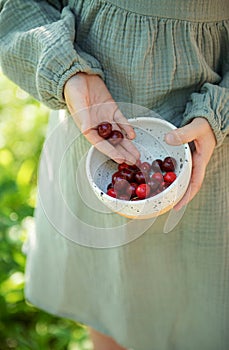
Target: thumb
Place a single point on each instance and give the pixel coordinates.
(184, 134)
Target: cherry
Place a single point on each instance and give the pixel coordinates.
(134, 167)
(104, 129)
(128, 174)
(116, 176)
(133, 187)
(145, 167)
(135, 182)
(140, 177)
(170, 177)
(143, 191)
(111, 192)
(169, 164)
(115, 137)
(158, 176)
(138, 163)
(164, 185)
(109, 186)
(123, 166)
(157, 165)
(154, 184)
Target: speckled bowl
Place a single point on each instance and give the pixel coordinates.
(149, 140)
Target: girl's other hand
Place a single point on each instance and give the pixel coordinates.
(90, 103)
(200, 132)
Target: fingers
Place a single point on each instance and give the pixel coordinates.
(131, 149)
(104, 146)
(90, 103)
(198, 131)
(110, 151)
(123, 152)
(198, 173)
(122, 122)
(87, 120)
(187, 133)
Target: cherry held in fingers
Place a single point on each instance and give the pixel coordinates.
(115, 137)
(104, 129)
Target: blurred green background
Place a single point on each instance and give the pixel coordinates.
(23, 123)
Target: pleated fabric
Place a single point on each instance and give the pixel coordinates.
(161, 291)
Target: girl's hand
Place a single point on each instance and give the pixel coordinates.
(90, 103)
(200, 132)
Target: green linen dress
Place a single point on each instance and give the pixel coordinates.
(159, 291)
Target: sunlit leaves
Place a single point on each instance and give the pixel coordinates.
(23, 124)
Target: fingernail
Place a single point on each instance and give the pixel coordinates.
(170, 138)
(132, 135)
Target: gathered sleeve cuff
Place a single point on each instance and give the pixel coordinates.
(212, 103)
(38, 49)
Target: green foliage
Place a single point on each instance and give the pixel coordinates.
(23, 124)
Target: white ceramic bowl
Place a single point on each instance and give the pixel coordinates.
(150, 142)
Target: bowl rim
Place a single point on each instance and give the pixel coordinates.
(160, 121)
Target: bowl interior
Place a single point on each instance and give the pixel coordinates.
(149, 141)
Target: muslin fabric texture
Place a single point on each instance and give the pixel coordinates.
(160, 291)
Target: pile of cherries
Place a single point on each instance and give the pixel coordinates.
(139, 181)
(142, 180)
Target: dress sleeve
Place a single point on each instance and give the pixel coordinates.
(37, 49)
(212, 103)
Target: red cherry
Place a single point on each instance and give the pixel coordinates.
(164, 185)
(145, 167)
(104, 129)
(143, 191)
(134, 167)
(169, 164)
(117, 175)
(170, 177)
(157, 165)
(128, 174)
(123, 166)
(154, 184)
(111, 192)
(133, 187)
(140, 177)
(109, 186)
(158, 176)
(115, 137)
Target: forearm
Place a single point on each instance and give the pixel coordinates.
(37, 48)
